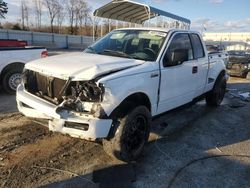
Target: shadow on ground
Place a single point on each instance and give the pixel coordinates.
(8, 102)
(121, 176)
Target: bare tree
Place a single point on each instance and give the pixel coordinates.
(108, 25)
(38, 6)
(24, 14)
(95, 22)
(72, 9)
(60, 18)
(60, 15)
(53, 7)
(3, 8)
(78, 14)
(83, 14)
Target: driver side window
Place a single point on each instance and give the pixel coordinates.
(179, 50)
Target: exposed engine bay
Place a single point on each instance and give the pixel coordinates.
(239, 65)
(70, 94)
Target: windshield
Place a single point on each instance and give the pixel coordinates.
(136, 44)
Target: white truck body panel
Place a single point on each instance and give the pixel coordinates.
(130, 81)
(79, 66)
(165, 87)
(19, 56)
(12, 63)
(174, 77)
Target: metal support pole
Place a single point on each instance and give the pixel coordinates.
(53, 37)
(8, 35)
(67, 41)
(93, 29)
(149, 19)
(101, 28)
(109, 25)
(32, 38)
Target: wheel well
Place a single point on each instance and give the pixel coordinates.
(130, 102)
(125, 107)
(9, 67)
(222, 73)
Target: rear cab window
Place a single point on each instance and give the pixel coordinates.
(198, 49)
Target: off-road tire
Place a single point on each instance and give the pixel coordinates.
(215, 97)
(248, 76)
(133, 131)
(6, 77)
(244, 75)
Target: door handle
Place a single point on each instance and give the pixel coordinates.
(155, 74)
(194, 69)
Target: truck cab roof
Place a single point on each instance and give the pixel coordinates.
(158, 29)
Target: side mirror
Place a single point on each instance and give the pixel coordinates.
(176, 57)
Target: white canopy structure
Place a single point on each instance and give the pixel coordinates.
(134, 12)
(129, 11)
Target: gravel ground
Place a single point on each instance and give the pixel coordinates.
(195, 146)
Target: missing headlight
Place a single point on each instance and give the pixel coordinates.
(88, 91)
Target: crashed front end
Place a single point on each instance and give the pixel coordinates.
(71, 107)
(238, 66)
(238, 69)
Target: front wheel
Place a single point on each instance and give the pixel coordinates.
(131, 135)
(216, 96)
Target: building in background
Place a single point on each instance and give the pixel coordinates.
(231, 41)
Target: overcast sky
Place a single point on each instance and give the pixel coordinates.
(216, 15)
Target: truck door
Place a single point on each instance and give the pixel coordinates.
(201, 62)
(178, 84)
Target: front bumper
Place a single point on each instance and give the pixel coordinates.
(234, 72)
(35, 107)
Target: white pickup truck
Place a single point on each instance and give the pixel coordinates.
(112, 89)
(12, 62)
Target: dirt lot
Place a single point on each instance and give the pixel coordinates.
(192, 147)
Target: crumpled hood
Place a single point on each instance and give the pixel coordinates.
(80, 66)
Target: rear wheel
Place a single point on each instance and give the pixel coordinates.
(131, 135)
(216, 96)
(12, 78)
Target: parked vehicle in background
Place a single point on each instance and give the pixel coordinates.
(112, 89)
(12, 62)
(239, 63)
(12, 43)
(238, 53)
(218, 51)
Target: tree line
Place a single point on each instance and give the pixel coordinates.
(3, 9)
(55, 16)
(60, 16)
(69, 15)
